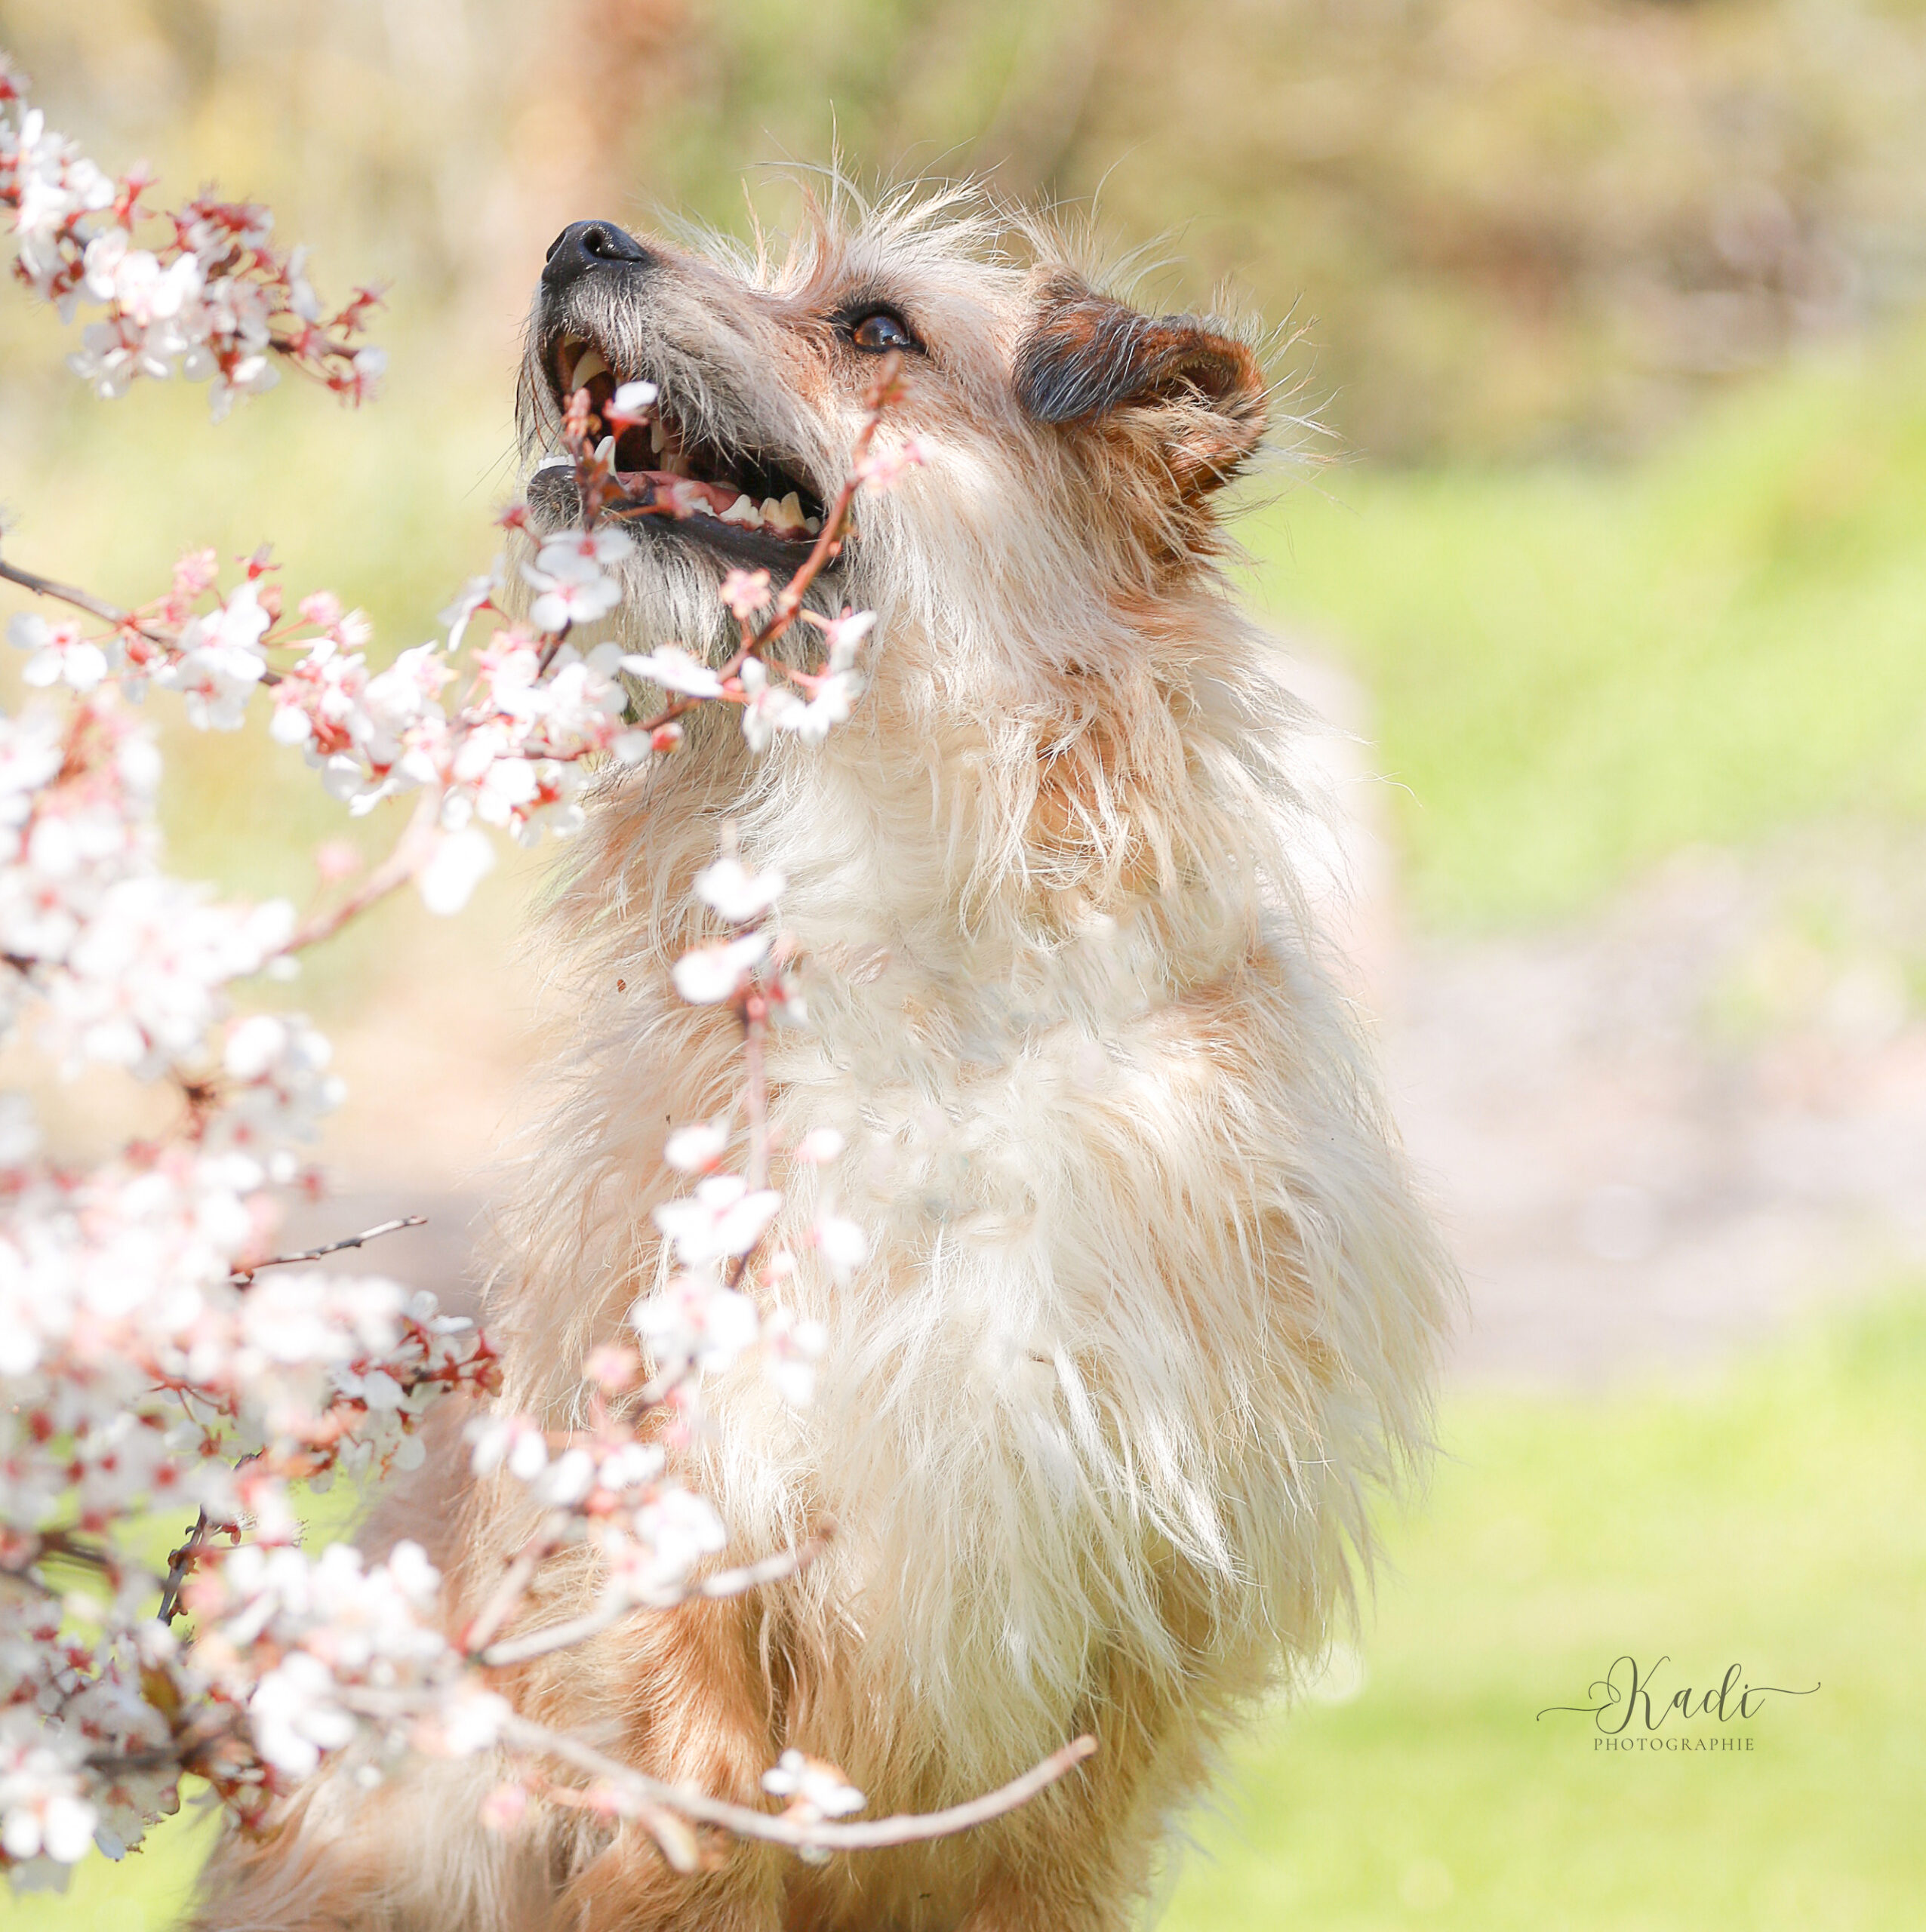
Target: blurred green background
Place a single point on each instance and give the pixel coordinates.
(1613, 313)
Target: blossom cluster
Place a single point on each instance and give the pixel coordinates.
(722, 1304)
(158, 1358)
(212, 298)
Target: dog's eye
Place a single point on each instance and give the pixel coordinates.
(881, 330)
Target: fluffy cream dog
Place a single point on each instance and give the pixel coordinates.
(1149, 1310)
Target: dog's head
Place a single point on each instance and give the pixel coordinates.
(1072, 445)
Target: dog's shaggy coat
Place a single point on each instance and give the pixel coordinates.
(1149, 1310)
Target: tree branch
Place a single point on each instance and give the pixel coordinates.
(367, 1235)
(516, 1578)
(180, 1567)
(67, 593)
(906, 1828)
(579, 1630)
(393, 872)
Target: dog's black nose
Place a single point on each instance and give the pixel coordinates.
(586, 245)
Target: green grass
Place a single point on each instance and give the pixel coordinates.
(1577, 672)
(1774, 1516)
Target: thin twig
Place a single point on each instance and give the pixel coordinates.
(68, 593)
(579, 1630)
(180, 1567)
(393, 872)
(906, 1828)
(64, 1543)
(829, 542)
(367, 1235)
(516, 1578)
(182, 1749)
(677, 1842)
(756, 1100)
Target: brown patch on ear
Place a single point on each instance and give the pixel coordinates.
(1087, 358)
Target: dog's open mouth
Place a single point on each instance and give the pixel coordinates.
(743, 502)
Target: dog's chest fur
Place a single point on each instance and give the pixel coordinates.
(1114, 1167)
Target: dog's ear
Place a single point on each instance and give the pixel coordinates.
(1200, 394)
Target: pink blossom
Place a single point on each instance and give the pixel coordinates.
(883, 468)
(745, 592)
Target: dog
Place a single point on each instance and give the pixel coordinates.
(1152, 1309)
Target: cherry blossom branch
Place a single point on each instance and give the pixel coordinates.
(367, 1235)
(134, 968)
(725, 1583)
(882, 391)
(211, 298)
(514, 1584)
(180, 1567)
(404, 861)
(67, 593)
(800, 1834)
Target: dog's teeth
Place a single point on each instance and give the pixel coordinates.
(772, 511)
(605, 451)
(812, 524)
(786, 516)
(590, 365)
(742, 511)
(658, 442)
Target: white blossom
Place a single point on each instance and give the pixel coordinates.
(769, 707)
(812, 1785)
(671, 667)
(724, 1218)
(695, 1148)
(59, 653)
(739, 894)
(841, 1243)
(711, 974)
(462, 860)
(649, 1555)
(791, 1349)
(820, 1146)
(696, 1322)
(571, 585)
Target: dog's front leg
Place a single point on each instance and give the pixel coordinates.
(686, 1691)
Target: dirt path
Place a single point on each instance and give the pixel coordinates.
(1657, 1132)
